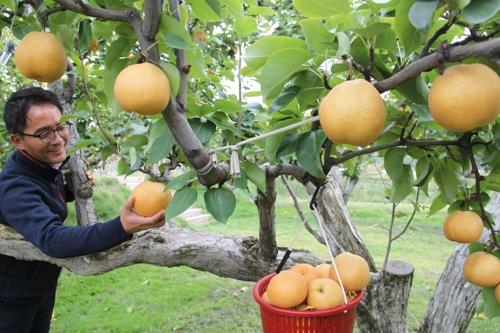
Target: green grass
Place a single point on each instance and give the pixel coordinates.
(145, 298)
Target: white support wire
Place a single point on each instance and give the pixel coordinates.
(332, 258)
(348, 221)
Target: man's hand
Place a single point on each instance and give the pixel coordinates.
(132, 222)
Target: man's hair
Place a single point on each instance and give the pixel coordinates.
(19, 103)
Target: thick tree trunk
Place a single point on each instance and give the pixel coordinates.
(452, 306)
(340, 230)
(234, 257)
(267, 230)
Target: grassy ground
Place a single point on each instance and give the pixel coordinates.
(144, 298)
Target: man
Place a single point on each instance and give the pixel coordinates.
(33, 200)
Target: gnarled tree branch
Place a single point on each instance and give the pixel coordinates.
(235, 257)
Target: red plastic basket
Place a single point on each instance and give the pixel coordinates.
(277, 320)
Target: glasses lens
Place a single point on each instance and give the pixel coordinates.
(46, 136)
(63, 129)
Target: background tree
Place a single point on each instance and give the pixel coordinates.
(283, 56)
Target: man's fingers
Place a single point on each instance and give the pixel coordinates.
(159, 215)
(129, 203)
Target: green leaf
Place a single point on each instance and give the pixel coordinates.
(437, 204)
(445, 176)
(136, 141)
(285, 97)
(423, 170)
(173, 76)
(373, 29)
(422, 112)
(198, 67)
(317, 36)
(308, 152)
(122, 166)
(181, 181)
(322, 8)
(84, 35)
(256, 175)
(273, 143)
(421, 13)
(457, 4)
(174, 33)
(279, 68)
(245, 26)
(344, 44)
(408, 35)
(234, 7)
(115, 50)
(109, 75)
(260, 10)
(491, 306)
(400, 173)
(220, 203)
(228, 106)
(181, 201)
(257, 54)
(161, 141)
(65, 34)
(203, 130)
(312, 89)
(414, 89)
(206, 10)
(479, 11)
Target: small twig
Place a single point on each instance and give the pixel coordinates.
(303, 218)
(438, 33)
(389, 243)
(408, 143)
(111, 143)
(474, 37)
(479, 199)
(368, 70)
(403, 130)
(411, 217)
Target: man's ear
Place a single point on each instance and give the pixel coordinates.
(17, 141)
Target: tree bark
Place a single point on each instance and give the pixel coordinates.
(340, 229)
(267, 231)
(76, 176)
(452, 305)
(384, 307)
(234, 257)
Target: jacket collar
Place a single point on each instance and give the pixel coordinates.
(39, 167)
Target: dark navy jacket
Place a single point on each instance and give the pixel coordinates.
(33, 202)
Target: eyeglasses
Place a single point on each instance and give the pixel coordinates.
(46, 136)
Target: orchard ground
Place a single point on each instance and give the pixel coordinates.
(146, 298)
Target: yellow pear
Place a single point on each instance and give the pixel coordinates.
(465, 97)
(353, 112)
(41, 56)
(142, 88)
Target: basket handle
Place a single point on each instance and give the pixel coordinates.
(314, 206)
(283, 260)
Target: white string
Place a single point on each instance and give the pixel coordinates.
(323, 233)
(348, 221)
(268, 134)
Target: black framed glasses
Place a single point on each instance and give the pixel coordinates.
(47, 135)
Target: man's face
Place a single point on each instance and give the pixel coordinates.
(39, 119)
